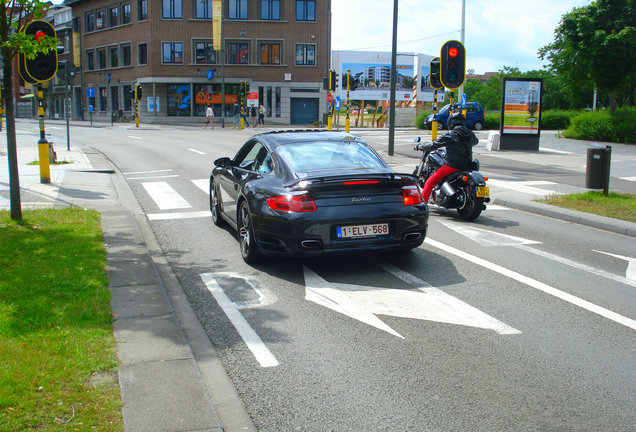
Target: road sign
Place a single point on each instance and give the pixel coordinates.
(463, 100)
(90, 91)
(337, 104)
(330, 98)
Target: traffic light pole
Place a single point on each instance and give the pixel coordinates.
(434, 125)
(43, 144)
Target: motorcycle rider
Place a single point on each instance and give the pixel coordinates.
(459, 141)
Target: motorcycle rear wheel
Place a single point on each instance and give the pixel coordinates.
(472, 208)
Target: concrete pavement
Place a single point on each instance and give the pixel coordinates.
(170, 376)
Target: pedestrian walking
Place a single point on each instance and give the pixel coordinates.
(236, 121)
(261, 115)
(253, 115)
(209, 115)
(247, 124)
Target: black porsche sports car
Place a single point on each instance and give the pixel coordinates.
(305, 193)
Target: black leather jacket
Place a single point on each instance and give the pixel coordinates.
(459, 146)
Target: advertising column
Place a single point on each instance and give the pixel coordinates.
(521, 114)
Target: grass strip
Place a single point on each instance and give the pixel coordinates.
(614, 205)
(58, 365)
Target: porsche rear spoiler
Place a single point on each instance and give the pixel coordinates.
(396, 178)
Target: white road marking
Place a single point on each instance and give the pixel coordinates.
(164, 196)
(492, 238)
(134, 137)
(152, 177)
(628, 178)
(549, 150)
(620, 319)
(630, 273)
(203, 184)
(179, 215)
(147, 172)
(255, 344)
(196, 151)
(524, 186)
(426, 302)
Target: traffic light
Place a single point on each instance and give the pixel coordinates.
(44, 66)
(345, 78)
(138, 92)
(247, 88)
(453, 64)
(433, 76)
(332, 80)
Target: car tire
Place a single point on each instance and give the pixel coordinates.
(215, 204)
(247, 241)
(478, 126)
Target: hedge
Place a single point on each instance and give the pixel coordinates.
(602, 126)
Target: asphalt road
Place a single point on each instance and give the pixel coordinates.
(513, 322)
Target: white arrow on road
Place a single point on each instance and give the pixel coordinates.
(363, 303)
(492, 238)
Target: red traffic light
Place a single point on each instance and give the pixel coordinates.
(39, 36)
(452, 52)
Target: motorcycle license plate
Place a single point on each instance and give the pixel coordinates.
(358, 231)
(482, 191)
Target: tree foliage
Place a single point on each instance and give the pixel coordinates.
(595, 46)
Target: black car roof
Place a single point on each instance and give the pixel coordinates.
(276, 138)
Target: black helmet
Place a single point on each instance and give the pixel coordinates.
(456, 119)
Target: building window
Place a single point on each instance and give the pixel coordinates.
(103, 99)
(305, 55)
(270, 9)
(101, 58)
(126, 55)
(237, 53)
(142, 10)
(113, 53)
(114, 98)
(113, 16)
(172, 52)
(125, 13)
(90, 60)
(100, 21)
(305, 10)
(237, 9)
(270, 53)
(204, 53)
(203, 9)
(171, 9)
(142, 54)
(127, 94)
(90, 22)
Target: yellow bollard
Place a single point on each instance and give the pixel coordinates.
(43, 144)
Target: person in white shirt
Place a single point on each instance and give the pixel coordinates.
(209, 115)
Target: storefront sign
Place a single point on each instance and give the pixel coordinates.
(217, 14)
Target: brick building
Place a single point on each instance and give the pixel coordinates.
(280, 47)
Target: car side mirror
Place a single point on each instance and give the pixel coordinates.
(417, 139)
(223, 162)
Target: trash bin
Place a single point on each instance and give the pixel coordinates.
(597, 167)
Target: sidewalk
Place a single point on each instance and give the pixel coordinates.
(170, 376)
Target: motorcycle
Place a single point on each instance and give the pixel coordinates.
(464, 190)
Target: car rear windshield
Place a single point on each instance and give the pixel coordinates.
(328, 155)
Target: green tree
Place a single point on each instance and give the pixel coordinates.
(15, 14)
(595, 46)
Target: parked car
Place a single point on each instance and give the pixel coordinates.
(305, 193)
(475, 118)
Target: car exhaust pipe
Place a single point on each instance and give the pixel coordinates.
(311, 244)
(412, 236)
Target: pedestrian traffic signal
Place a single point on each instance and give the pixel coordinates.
(433, 76)
(44, 66)
(453, 64)
(138, 92)
(354, 83)
(247, 87)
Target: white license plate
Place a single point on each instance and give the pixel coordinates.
(356, 231)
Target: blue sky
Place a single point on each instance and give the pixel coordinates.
(497, 33)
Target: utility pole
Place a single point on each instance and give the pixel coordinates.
(393, 80)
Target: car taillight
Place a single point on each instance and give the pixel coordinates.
(360, 182)
(411, 195)
(292, 203)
